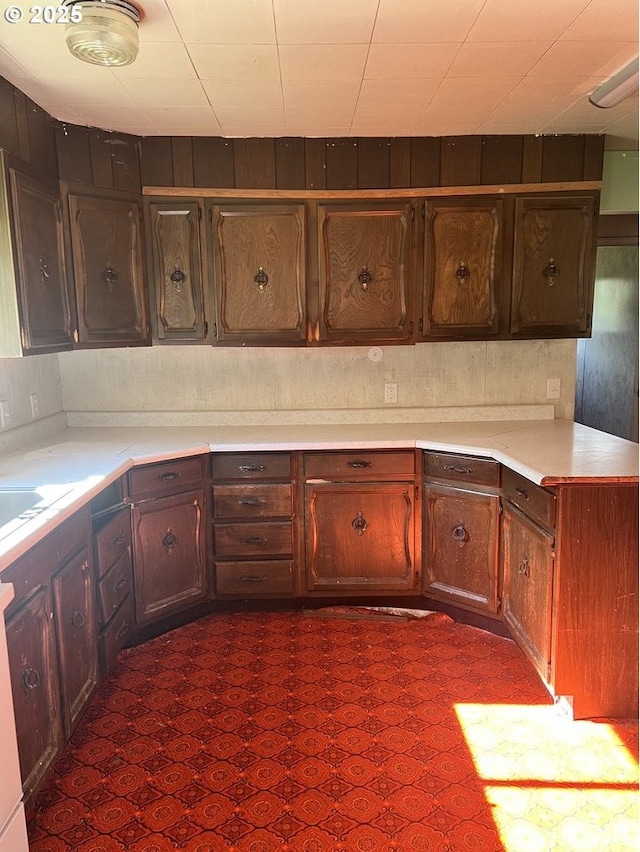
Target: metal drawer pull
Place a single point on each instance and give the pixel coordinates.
(122, 630)
(359, 524)
(522, 493)
(118, 540)
(30, 678)
(254, 578)
(453, 469)
(177, 278)
(252, 501)
(77, 619)
(247, 468)
(253, 539)
(261, 279)
(460, 535)
(524, 568)
(359, 463)
(120, 584)
(167, 477)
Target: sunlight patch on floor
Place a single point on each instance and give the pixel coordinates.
(553, 783)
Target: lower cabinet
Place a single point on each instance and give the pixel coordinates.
(360, 522)
(169, 538)
(462, 531)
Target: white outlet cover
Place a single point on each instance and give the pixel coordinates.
(375, 354)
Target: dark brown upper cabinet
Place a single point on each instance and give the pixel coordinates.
(180, 304)
(365, 272)
(37, 237)
(464, 275)
(553, 265)
(107, 251)
(259, 256)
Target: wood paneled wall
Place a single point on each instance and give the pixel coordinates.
(98, 157)
(27, 131)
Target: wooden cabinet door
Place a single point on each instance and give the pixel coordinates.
(77, 636)
(461, 547)
(553, 266)
(33, 664)
(177, 280)
(169, 554)
(463, 268)
(365, 272)
(360, 536)
(527, 564)
(107, 259)
(45, 312)
(259, 253)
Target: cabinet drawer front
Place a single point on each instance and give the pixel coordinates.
(458, 468)
(253, 539)
(348, 466)
(536, 502)
(112, 541)
(114, 636)
(166, 478)
(252, 501)
(114, 587)
(251, 466)
(255, 578)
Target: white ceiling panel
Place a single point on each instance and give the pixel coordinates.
(343, 67)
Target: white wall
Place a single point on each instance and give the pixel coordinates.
(19, 378)
(212, 382)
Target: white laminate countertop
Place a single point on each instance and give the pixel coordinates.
(74, 465)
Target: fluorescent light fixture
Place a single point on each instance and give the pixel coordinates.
(102, 32)
(613, 91)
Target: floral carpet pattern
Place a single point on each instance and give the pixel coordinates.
(286, 731)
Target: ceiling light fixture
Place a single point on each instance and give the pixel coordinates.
(105, 33)
(621, 85)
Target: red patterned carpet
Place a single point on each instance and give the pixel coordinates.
(290, 731)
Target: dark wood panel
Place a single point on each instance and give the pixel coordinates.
(182, 155)
(501, 159)
(593, 157)
(22, 126)
(156, 161)
(213, 162)
(254, 163)
(290, 163)
(101, 159)
(618, 229)
(342, 163)
(373, 163)
(74, 155)
(8, 125)
(425, 161)
(42, 140)
(532, 159)
(460, 158)
(315, 163)
(125, 162)
(399, 162)
(562, 157)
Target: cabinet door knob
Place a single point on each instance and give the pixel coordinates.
(118, 541)
(30, 678)
(521, 492)
(177, 277)
(261, 279)
(365, 278)
(462, 273)
(77, 619)
(110, 276)
(252, 501)
(524, 568)
(168, 477)
(359, 524)
(460, 535)
(253, 539)
(169, 541)
(45, 274)
(248, 468)
(551, 272)
(453, 469)
(359, 463)
(254, 578)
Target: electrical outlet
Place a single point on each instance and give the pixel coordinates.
(390, 392)
(553, 388)
(35, 405)
(4, 414)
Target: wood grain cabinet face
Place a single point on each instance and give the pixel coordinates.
(76, 631)
(365, 272)
(463, 268)
(259, 260)
(46, 318)
(553, 266)
(106, 241)
(177, 281)
(33, 663)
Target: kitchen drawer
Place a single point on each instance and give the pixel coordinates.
(227, 466)
(114, 635)
(112, 541)
(345, 466)
(255, 578)
(537, 503)
(458, 468)
(166, 478)
(254, 539)
(252, 501)
(114, 587)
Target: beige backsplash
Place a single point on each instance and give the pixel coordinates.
(126, 386)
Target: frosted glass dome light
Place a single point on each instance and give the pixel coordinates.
(106, 32)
